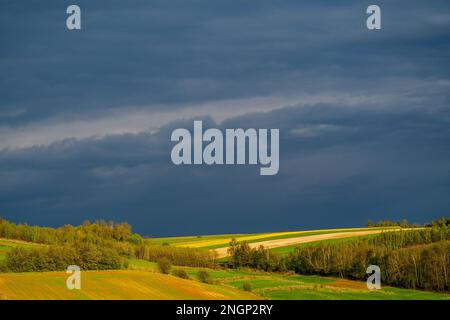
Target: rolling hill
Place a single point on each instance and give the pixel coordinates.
(142, 282)
(112, 285)
(142, 279)
(219, 243)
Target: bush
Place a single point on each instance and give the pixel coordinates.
(180, 273)
(164, 265)
(203, 276)
(246, 286)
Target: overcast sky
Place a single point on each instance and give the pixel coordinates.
(86, 116)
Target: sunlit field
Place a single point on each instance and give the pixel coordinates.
(220, 241)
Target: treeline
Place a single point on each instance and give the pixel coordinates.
(242, 255)
(180, 256)
(442, 222)
(91, 246)
(100, 233)
(96, 246)
(408, 238)
(417, 259)
(405, 224)
(388, 223)
(55, 258)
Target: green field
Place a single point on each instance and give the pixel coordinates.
(142, 281)
(299, 287)
(223, 240)
(288, 249)
(112, 285)
(6, 245)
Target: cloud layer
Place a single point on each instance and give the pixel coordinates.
(86, 117)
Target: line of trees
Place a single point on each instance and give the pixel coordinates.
(408, 238)
(405, 224)
(55, 258)
(242, 255)
(180, 256)
(388, 223)
(100, 233)
(92, 246)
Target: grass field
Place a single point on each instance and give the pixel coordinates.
(143, 281)
(112, 285)
(221, 241)
(6, 245)
(299, 287)
(287, 249)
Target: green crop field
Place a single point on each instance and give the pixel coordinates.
(299, 287)
(143, 281)
(221, 241)
(6, 245)
(288, 249)
(112, 285)
(193, 239)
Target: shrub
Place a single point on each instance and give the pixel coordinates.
(164, 265)
(180, 273)
(203, 276)
(246, 286)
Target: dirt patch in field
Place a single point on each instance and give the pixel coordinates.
(347, 284)
(269, 244)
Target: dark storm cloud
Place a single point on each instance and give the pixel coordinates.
(339, 166)
(142, 53)
(373, 144)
